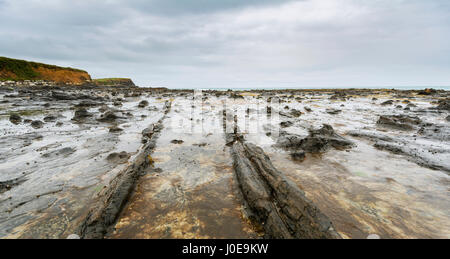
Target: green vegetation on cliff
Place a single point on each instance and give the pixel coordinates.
(19, 70)
(113, 81)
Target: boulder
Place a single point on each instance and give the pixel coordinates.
(37, 124)
(427, 91)
(15, 119)
(177, 141)
(298, 156)
(115, 129)
(317, 141)
(444, 105)
(333, 111)
(143, 104)
(50, 118)
(390, 102)
(400, 122)
(118, 158)
(81, 114)
(62, 96)
(286, 124)
(296, 113)
(108, 116)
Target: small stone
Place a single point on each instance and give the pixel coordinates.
(115, 129)
(373, 236)
(37, 124)
(298, 156)
(143, 104)
(296, 113)
(50, 118)
(333, 111)
(177, 141)
(15, 119)
(81, 114)
(390, 102)
(118, 158)
(108, 116)
(286, 124)
(428, 91)
(73, 236)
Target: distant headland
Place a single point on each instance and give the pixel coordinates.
(16, 72)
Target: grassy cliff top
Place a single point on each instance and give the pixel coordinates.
(113, 81)
(107, 80)
(27, 70)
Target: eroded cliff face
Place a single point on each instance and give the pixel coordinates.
(64, 75)
(20, 70)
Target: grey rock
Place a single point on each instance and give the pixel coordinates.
(280, 207)
(81, 114)
(118, 158)
(400, 122)
(333, 111)
(143, 104)
(108, 116)
(15, 119)
(37, 124)
(50, 118)
(298, 156)
(317, 141)
(390, 102)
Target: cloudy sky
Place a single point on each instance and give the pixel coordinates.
(237, 43)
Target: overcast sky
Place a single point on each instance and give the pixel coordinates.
(236, 43)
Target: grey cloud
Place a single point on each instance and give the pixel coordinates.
(236, 43)
(175, 7)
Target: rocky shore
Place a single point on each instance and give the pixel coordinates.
(119, 161)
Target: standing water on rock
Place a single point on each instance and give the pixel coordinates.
(140, 163)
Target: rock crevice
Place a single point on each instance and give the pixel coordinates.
(112, 199)
(279, 206)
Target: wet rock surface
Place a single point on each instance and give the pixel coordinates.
(278, 204)
(9, 184)
(319, 140)
(110, 202)
(444, 105)
(400, 122)
(67, 151)
(52, 166)
(389, 178)
(190, 191)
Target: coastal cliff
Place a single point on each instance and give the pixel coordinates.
(113, 82)
(21, 70)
